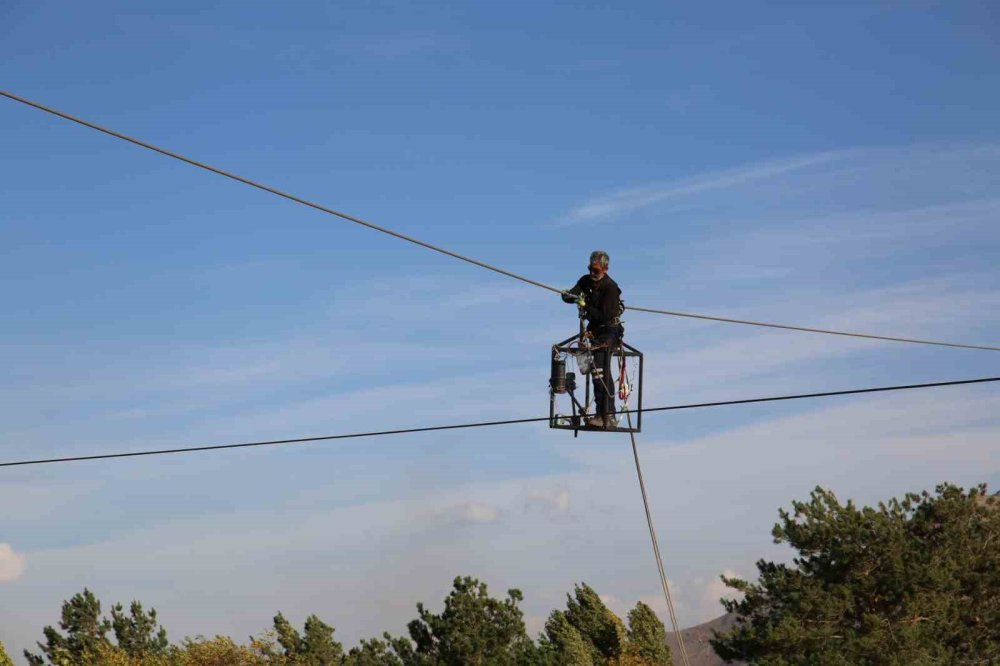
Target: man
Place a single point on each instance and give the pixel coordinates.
(602, 306)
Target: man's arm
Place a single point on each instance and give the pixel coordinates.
(576, 290)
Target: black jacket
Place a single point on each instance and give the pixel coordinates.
(603, 299)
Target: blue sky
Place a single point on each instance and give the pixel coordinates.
(831, 165)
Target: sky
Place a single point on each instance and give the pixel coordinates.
(827, 165)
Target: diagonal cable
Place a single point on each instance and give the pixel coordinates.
(456, 255)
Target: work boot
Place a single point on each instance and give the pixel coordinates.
(595, 421)
(610, 422)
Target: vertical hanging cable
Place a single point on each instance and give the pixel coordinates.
(652, 531)
(656, 550)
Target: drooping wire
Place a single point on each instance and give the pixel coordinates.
(807, 329)
(456, 255)
(649, 518)
(482, 424)
(656, 549)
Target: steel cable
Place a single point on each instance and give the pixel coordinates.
(652, 530)
(482, 424)
(456, 255)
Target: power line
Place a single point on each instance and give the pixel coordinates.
(272, 190)
(480, 424)
(664, 583)
(455, 255)
(806, 329)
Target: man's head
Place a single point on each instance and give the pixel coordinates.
(598, 264)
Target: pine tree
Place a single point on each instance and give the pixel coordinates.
(913, 581)
(86, 634)
(474, 629)
(136, 633)
(372, 652)
(563, 645)
(316, 648)
(647, 637)
(603, 631)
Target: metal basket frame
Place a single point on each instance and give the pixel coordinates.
(577, 416)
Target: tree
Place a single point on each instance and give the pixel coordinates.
(913, 581)
(603, 631)
(219, 651)
(474, 629)
(86, 634)
(136, 633)
(562, 643)
(647, 638)
(5, 660)
(373, 652)
(316, 648)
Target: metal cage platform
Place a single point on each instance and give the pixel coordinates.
(563, 383)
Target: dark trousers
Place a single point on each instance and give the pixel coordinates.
(604, 400)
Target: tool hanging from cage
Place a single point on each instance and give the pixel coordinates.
(624, 388)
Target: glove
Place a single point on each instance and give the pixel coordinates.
(569, 297)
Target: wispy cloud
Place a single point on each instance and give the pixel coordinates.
(552, 500)
(861, 178)
(474, 512)
(714, 498)
(629, 200)
(733, 359)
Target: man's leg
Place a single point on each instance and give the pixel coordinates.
(609, 381)
(604, 389)
(600, 395)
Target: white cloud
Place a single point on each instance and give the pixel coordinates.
(859, 175)
(12, 564)
(554, 500)
(714, 499)
(711, 592)
(475, 512)
(630, 200)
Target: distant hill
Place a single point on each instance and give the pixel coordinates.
(696, 641)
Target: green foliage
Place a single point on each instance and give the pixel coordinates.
(913, 581)
(601, 629)
(647, 638)
(563, 644)
(136, 633)
(218, 651)
(86, 634)
(474, 629)
(5, 660)
(316, 648)
(588, 633)
(374, 652)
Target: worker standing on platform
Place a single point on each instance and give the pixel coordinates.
(601, 298)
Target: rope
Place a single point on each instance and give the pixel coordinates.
(811, 330)
(482, 424)
(652, 530)
(454, 255)
(656, 549)
(272, 190)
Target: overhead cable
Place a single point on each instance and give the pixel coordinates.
(664, 582)
(811, 330)
(273, 190)
(455, 255)
(481, 424)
